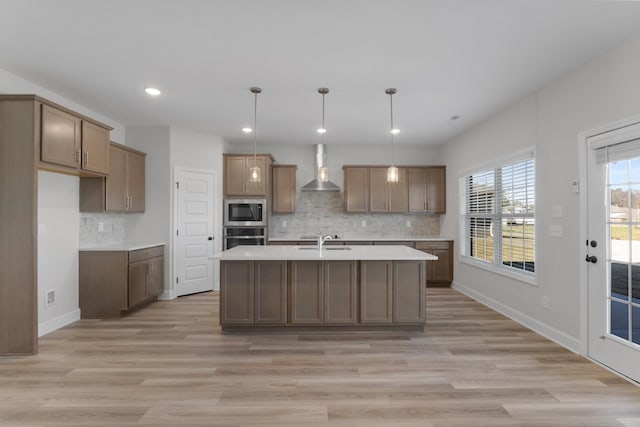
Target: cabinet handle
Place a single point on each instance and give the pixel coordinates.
(78, 156)
(86, 158)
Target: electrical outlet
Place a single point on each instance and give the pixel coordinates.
(408, 223)
(364, 223)
(545, 301)
(51, 298)
(101, 227)
(284, 223)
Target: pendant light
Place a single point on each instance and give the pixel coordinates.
(392, 172)
(254, 171)
(323, 171)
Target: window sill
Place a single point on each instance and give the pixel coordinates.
(497, 270)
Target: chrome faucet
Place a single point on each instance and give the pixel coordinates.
(321, 240)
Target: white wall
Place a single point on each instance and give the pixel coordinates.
(344, 154)
(58, 213)
(602, 91)
(58, 236)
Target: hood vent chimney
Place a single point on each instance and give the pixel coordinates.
(316, 184)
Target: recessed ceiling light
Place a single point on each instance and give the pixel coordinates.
(152, 91)
(247, 130)
(321, 130)
(455, 117)
(395, 131)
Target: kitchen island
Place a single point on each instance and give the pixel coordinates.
(291, 288)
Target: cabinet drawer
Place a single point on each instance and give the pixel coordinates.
(142, 254)
(432, 245)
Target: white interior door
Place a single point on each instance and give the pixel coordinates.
(194, 234)
(613, 250)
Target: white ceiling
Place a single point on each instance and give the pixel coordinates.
(445, 57)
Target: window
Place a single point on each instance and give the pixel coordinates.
(497, 216)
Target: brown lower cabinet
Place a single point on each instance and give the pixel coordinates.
(321, 293)
(440, 272)
(114, 282)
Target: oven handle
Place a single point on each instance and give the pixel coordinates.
(244, 237)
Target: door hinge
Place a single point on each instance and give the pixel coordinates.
(177, 185)
(177, 232)
(177, 280)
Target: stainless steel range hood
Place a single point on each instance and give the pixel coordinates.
(316, 184)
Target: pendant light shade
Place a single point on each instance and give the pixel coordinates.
(255, 174)
(392, 172)
(323, 171)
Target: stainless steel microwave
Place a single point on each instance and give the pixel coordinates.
(245, 212)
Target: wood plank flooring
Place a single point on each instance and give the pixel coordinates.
(168, 365)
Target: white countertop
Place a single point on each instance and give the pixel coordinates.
(121, 246)
(365, 239)
(301, 253)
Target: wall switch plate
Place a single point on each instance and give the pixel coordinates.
(50, 298)
(364, 223)
(101, 227)
(284, 223)
(545, 302)
(408, 223)
(556, 231)
(556, 211)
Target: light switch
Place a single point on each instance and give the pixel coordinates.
(364, 223)
(555, 230)
(556, 211)
(408, 223)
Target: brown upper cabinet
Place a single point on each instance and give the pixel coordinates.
(388, 196)
(123, 190)
(420, 189)
(283, 181)
(427, 189)
(356, 189)
(70, 143)
(236, 174)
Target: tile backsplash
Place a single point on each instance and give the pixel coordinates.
(323, 213)
(112, 230)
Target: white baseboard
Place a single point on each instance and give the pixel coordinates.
(51, 325)
(555, 335)
(168, 295)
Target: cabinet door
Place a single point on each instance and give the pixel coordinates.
(116, 181)
(398, 192)
(236, 292)
(155, 277)
(270, 292)
(137, 283)
(356, 189)
(436, 190)
(442, 269)
(306, 292)
(95, 148)
(378, 191)
(60, 138)
(256, 188)
(284, 189)
(408, 292)
(340, 292)
(417, 178)
(136, 182)
(376, 291)
(234, 175)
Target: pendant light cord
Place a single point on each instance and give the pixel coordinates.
(391, 130)
(255, 128)
(323, 119)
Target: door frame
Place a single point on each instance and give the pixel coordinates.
(172, 293)
(581, 183)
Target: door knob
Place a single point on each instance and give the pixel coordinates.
(592, 259)
(210, 238)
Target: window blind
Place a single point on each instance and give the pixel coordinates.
(497, 215)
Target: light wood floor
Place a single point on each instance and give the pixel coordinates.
(168, 364)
